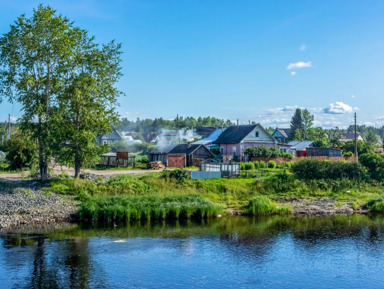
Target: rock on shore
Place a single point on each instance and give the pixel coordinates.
(21, 206)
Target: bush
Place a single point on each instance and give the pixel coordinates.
(144, 160)
(271, 164)
(261, 205)
(20, 151)
(180, 175)
(376, 205)
(262, 165)
(249, 166)
(348, 154)
(262, 151)
(256, 164)
(311, 169)
(374, 164)
(287, 156)
(242, 166)
(288, 164)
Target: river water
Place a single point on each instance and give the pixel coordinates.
(233, 252)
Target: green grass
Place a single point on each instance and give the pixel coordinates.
(234, 193)
(262, 205)
(125, 208)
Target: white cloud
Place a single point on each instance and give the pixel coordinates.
(14, 118)
(368, 123)
(293, 73)
(339, 107)
(353, 96)
(298, 65)
(303, 47)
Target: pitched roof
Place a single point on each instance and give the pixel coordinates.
(286, 132)
(235, 134)
(112, 136)
(300, 145)
(351, 136)
(185, 148)
(211, 138)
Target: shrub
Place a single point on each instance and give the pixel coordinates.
(288, 164)
(20, 151)
(348, 154)
(309, 169)
(180, 175)
(144, 160)
(376, 205)
(271, 164)
(262, 165)
(256, 164)
(374, 164)
(287, 156)
(262, 151)
(261, 205)
(249, 166)
(242, 166)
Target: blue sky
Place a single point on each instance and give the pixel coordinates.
(247, 60)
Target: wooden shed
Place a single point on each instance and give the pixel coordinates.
(186, 155)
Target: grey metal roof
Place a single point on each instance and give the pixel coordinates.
(300, 145)
(235, 134)
(211, 138)
(186, 148)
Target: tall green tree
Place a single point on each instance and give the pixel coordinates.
(307, 121)
(87, 105)
(296, 122)
(301, 122)
(34, 59)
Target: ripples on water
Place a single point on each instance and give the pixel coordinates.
(236, 252)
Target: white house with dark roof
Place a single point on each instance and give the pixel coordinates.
(237, 138)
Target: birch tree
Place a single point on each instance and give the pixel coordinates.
(34, 58)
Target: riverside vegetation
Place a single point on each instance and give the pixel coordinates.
(172, 194)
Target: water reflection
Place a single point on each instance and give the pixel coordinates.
(227, 252)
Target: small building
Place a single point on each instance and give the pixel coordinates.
(351, 136)
(160, 153)
(324, 152)
(119, 159)
(282, 135)
(299, 148)
(237, 138)
(187, 155)
(109, 138)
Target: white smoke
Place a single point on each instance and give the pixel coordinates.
(166, 140)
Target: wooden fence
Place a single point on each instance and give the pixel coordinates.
(281, 160)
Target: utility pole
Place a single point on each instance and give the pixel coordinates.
(356, 138)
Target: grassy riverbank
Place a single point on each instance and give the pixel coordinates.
(159, 196)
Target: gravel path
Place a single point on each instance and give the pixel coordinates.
(24, 206)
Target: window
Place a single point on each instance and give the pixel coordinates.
(234, 150)
(222, 151)
(256, 134)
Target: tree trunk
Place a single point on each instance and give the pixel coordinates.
(43, 164)
(77, 164)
